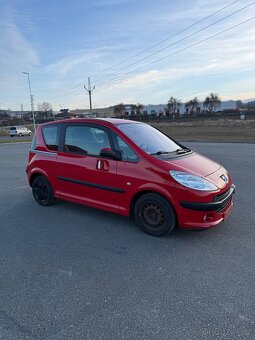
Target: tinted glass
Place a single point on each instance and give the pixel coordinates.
(12, 128)
(127, 153)
(148, 138)
(85, 140)
(50, 135)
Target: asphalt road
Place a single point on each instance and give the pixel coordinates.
(70, 272)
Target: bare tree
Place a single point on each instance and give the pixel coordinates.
(212, 102)
(119, 109)
(192, 105)
(139, 109)
(173, 106)
(133, 109)
(44, 107)
(44, 112)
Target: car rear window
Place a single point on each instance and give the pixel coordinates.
(50, 135)
(12, 128)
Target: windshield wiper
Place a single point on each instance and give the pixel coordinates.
(161, 153)
(180, 151)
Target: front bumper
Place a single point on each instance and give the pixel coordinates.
(219, 203)
(198, 215)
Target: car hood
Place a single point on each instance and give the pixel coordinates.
(195, 164)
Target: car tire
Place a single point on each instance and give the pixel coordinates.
(154, 214)
(20, 134)
(42, 191)
(30, 134)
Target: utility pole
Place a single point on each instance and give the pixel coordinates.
(31, 99)
(89, 90)
(21, 114)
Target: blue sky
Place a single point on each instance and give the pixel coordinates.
(62, 43)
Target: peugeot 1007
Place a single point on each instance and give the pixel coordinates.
(128, 168)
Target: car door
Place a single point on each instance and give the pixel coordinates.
(131, 174)
(83, 175)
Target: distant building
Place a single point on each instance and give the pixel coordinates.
(95, 113)
(156, 110)
(228, 105)
(160, 109)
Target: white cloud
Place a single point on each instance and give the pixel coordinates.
(17, 53)
(61, 79)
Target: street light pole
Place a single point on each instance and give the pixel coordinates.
(31, 99)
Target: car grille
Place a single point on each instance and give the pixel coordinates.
(222, 197)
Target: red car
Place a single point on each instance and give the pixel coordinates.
(128, 168)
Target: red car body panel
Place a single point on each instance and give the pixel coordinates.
(114, 185)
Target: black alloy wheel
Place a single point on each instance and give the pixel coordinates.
(42, 191)
(154, 214)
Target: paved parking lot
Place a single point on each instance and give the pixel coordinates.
(70, 272)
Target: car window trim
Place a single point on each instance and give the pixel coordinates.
(116, 147)
(93, 125)
(58, 136)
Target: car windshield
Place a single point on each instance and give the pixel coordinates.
(149, 139)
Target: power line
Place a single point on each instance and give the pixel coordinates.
(166, 39)
(157, 44)
(178, 41)
(181, 50)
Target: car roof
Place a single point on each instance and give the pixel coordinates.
(110, 121)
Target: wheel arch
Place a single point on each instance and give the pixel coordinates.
(143, 192)
(36, 174)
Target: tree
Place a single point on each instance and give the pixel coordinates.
(251, 105)
(212, 102)
(44, 107)
(192, 105)
(239, 104)
(133, 109)
(44, 112)
(173, 105)
(119, 109)
(139, 109)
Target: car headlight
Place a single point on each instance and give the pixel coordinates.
(192, 182)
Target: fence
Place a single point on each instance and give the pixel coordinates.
(244, 115)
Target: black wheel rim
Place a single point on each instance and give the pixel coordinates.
(41, 192)
(152, 215)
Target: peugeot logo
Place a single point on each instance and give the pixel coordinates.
(224, 178)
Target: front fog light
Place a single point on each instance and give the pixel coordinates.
(208, 217)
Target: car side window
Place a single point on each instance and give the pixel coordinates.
(85, 140)
(50, 135)
(127, 153)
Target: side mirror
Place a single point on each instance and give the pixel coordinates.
(109, 153)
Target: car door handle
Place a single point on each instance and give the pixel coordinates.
(99, 165)
(103, 165)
